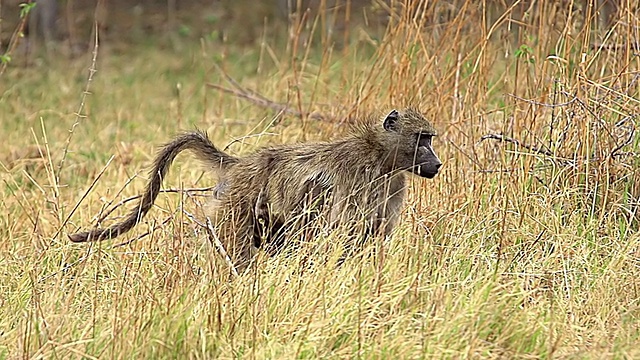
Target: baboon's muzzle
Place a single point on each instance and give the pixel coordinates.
(428, 171)
(427, 163)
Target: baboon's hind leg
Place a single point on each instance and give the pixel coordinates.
(304, 222)
(236, 236)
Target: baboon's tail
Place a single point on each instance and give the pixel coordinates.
(198, 142)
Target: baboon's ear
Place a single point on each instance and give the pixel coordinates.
(391, 121)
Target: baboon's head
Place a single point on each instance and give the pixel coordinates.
(408, 135)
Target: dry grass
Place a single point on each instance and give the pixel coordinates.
(522, 248)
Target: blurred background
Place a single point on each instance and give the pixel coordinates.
(66, 24)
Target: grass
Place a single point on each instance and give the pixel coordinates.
(520, 248)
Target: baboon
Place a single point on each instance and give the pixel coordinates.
(358, 182)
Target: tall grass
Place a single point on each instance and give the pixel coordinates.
(526, 245)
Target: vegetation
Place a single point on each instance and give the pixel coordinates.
(525, 246)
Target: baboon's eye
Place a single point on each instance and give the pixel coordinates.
(424, 139)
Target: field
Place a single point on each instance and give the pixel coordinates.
(526, 245)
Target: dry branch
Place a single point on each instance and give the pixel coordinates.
(215, 241)
(164, 222)
(129, 199)
(254, 97)
(516, 142)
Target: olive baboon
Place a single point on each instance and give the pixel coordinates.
(358, 181)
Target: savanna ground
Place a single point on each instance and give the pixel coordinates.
(526, 244)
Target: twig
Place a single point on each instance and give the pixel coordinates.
(260, 100)
(215, 241)
(181, 191)
(239, 87)
(221, 250)
(86, 193)
(13, 42)
(145, 234)
(533, 102)
(246, 137)
(503, 138)
(67, 267)
(635, 46)
(83, 99)
(252, 95)
(632, 133)
(518, 257)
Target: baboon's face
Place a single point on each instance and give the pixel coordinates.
(412, 136)
(426, 161)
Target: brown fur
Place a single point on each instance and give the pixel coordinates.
(358, 182)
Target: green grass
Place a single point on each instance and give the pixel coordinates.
(508, 253)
